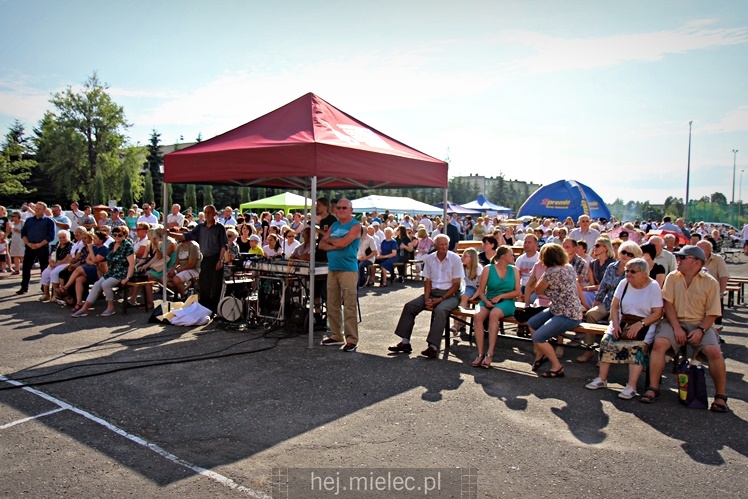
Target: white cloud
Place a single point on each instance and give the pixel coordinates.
(560, 54)
(19, 99)
(735, 120)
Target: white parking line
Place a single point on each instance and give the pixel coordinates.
(13, 423)
(217, 477)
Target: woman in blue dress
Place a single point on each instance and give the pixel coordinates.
(387, 255)
(499, 287)
(91, 271)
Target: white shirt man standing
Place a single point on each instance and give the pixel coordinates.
(527, 260)
(175, 219)
(584, 232)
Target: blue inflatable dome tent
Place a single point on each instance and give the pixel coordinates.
(565, 198)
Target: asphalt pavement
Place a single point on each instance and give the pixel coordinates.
(118, 407)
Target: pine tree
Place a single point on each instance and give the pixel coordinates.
(208, 195)
(190, 197)
(148, 194)
(127, 199)
(154, 161)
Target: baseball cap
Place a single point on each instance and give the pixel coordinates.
(115, 209)
(255, 237)
(691, 250)
(375, 223)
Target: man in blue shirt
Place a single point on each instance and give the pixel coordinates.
(341, 243)
(37, 232)
(61, 222)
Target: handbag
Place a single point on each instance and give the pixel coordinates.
(692, 385)
(628, 320)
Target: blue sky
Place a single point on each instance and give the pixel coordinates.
(592, 91)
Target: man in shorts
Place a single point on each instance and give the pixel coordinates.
(692, 303)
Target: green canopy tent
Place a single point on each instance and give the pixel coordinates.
(286, 201)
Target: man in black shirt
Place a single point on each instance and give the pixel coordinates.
(37, 232)
(211, 236)
(325, 222)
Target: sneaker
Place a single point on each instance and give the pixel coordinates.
(107, 313)
(329, 341)
(401, 347)
(430, 352)
(627, 394)
(595, 384)
(349, 347)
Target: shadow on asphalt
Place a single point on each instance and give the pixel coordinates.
(258, 389)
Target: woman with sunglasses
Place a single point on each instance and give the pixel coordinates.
(603, 255)
(637, 301)
(614, 274)
(121, 266)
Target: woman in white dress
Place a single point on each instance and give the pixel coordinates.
(17, 247)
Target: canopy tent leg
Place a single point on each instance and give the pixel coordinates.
(312, 258)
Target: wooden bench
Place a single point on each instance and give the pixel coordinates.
(139, 288)
(731, 290)
(467, 316)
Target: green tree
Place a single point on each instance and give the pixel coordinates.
(127, 198)
(98, 192)
(148, 194)
(81, 137)
(719, 198)
(153, 162)
(16, 163)
(208, 195)
(244, 196)
(170, 196)
(190, 197)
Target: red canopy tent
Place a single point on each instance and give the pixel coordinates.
(306, 144)
(305, 138)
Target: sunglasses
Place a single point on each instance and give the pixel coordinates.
(116, 234)
(632, 272)
(683, 257)
(598, 246)
(341, 207)
(628, 254)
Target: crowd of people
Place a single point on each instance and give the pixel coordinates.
(655, 293)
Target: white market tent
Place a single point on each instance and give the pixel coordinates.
(394, 204)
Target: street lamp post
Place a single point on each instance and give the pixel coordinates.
(740, 196)
(734, 159)
(688, 171)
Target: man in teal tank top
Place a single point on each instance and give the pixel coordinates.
(341, 244)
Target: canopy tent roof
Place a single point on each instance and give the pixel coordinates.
(482, 204)
(565, 198)
(456, 208)
(305, 138)
(394, 205)
(286, 201)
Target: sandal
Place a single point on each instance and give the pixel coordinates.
(539, 362)
(558, 373)
(716, 407)
(486, 364)
(77, 307)
(648, 399)
(478, 360)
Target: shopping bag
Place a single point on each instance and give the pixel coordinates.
(692, 385)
